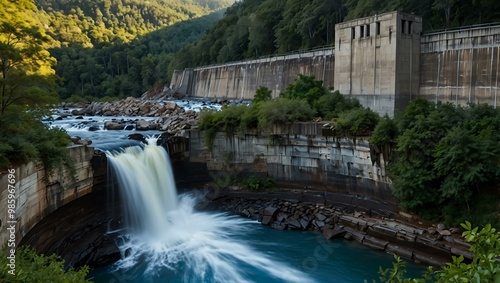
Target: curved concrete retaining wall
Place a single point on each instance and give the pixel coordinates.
(35, 198)
(304, 154)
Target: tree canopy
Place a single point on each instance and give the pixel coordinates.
(448, 161)
(27, 90)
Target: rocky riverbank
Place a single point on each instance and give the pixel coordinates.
(168, 116)
(377, 224)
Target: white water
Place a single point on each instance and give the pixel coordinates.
(168, 234)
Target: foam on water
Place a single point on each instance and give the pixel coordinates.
(165, 232)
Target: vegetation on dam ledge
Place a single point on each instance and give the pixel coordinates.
(443, 159)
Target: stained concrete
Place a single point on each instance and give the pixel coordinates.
(36, 198)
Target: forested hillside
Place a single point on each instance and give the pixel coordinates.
(120, 48)
(254, 28)
(88, 23)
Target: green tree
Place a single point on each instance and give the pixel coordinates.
(307, 88)
(31, 267)
(332, 104)
(447, 158)
(360, 121)
(27, 86)
(27, 79)
(262, 94)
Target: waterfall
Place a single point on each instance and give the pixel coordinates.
(168, 241)
(147, 186)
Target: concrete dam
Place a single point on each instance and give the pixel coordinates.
(384, 60)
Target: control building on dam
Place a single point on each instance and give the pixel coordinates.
(383, 60)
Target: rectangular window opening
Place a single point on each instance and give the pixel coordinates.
(377, 28)
(361, 31)
(367, 30)
(409, 27)
(403, 25)
(353, 33)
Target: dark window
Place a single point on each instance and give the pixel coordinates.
(367, 30)
(353, 33)
(378, 28)
(403, 26)
(409, 27)
(361, 31)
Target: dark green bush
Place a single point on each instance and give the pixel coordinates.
(31, 267)
(447, 162)
(24, 138)
(250, 119)
(386, 131)
(254, 183)
(284, 111)
(332, 104)
(262, 94)
(356, 122)
(305, 88)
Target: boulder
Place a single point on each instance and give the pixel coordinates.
(441, 226)
(171, 105)
(137, 137)
(143, 125)
(75, 139)
(110, 125)
(320, 217)
(333, 233)
(84, 142)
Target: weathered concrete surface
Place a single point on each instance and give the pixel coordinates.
(377, 60)
(239, 80)
(36, 199)
(299, 155)
(79, 231)
(461, 65)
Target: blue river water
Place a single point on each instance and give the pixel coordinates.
(320, 260)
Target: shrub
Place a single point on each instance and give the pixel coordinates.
(447, 159)
(254, 183)
(356, 122)
(262, 94)
(386, 131)
(284, 111)
(250, 119)
(333, 104)
(24, 138)
(305, 88)
(31, 267)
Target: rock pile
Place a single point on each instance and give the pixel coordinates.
(432, 245)
(169, 117)
(128, 107)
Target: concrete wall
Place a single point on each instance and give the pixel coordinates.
(35, 199)
(376, 61)
(384, 68)
(301, 155)
(461, 65)
(240, 80)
